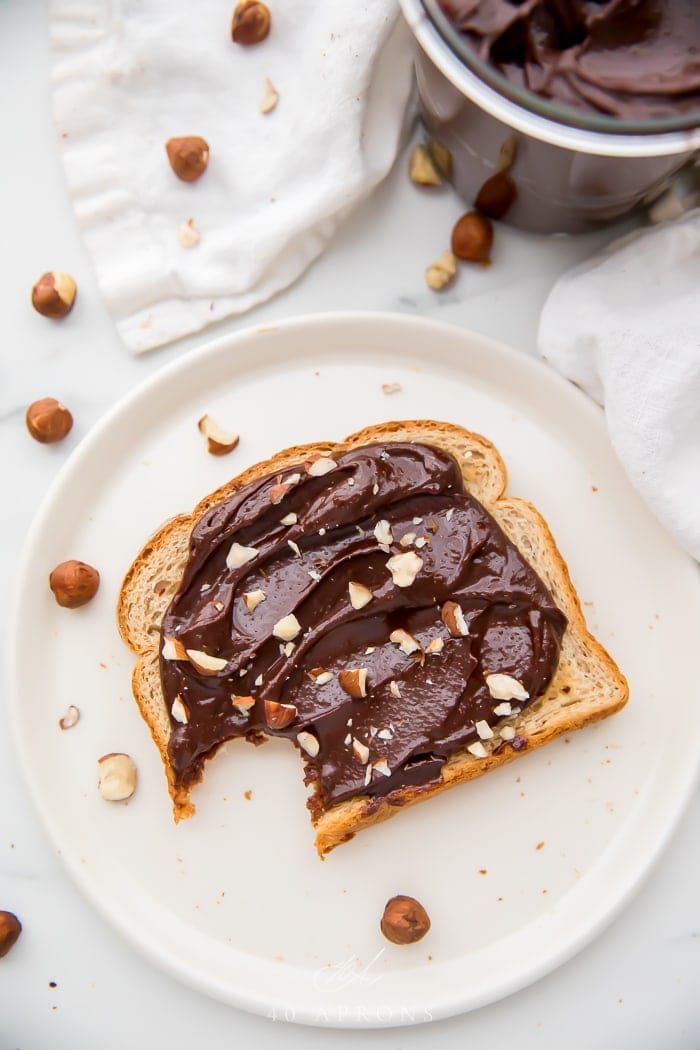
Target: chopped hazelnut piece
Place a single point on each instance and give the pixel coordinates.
(252, 599)
(404, 568)
(483, 729)
(360, 751)
(188, 235)
(477, 750)
(287, 628)
(243, 703)
(270, 97)
(421, 169)
(354, 682)
(309, 742)
(70, 718)
(359, 595)
(117, 777)
(317, 466)
(179, 711)
(453, 619)
(382, 766)
(173, 649)
(319, 676)
(505, 687)
(204, 663)
(405, 641)
(279, 716)
(219, 442)
(238, 556)
(383, 533)
(441, 272)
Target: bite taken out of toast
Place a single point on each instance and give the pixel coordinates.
(380, 602)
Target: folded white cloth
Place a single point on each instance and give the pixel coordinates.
(625, 326)
(129, 74)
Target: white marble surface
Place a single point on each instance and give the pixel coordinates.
(635, 986)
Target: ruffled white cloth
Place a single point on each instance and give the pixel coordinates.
(129, 74)
(625, 326)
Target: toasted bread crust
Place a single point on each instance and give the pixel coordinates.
(587, 685)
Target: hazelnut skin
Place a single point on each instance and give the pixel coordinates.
(251, 22)
(10, 929)
(48, 420)
(53, 294)
(404, 921)
(472, 238)
(496, 195)
(74, 584)
(188, 156)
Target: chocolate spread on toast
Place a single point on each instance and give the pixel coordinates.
(299, 539)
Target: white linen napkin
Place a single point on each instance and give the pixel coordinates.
(625, 326)
(129, 74)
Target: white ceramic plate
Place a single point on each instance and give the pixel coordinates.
(517, 870)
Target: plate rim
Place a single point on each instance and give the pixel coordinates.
(474, 343)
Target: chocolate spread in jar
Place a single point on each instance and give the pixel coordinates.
(635, 59)
(266, 589)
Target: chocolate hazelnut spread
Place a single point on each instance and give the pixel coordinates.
(634, 59)
(265, 622)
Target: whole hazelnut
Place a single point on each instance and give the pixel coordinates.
(74, 583)
(472, 238)
(250, 23)
(48, 420)
(404, 921)
(10, 929)
(53, 294)
(188, 156)
(496, 195)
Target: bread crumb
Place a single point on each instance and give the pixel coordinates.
(594, 488)
(483, 871)
(247, 795)
(540, 845)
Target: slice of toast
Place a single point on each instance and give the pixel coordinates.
(586, 686)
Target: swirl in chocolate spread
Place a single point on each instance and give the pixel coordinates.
(634, 59)
(298, 540)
